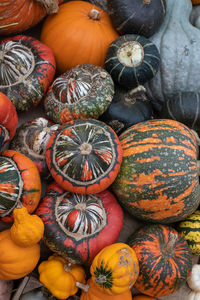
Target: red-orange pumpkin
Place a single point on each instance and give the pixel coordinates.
(19, 15)
(87, 30)
(8, 119)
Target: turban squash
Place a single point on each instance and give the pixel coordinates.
(79, 226)
(88, 33)
(158, 180)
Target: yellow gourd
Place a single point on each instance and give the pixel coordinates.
(27, 229)
(115, 269)
(61, 277)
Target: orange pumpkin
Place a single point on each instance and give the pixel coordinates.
(79, 33)
(19, 15)
(196, 2)
(15, 261)
(94, 293)
(143, 297)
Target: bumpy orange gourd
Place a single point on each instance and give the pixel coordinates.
(27, 229)
(94, 293)
(60, 277)
(115, 269)
(15, 261)
(87, 34)
(143, 297)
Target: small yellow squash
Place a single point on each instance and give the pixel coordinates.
(27, 230)
(60, 277)
(115, 269)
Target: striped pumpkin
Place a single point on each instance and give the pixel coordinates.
(158, 179)
(165, 259)
(190, 230)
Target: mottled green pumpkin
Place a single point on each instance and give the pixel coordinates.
(190, 230)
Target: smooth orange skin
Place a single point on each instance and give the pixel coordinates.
(8, 115)
(75, 38)
(144, 297)
(95, 294)
(15, 261)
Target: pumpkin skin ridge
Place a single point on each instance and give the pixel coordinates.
(81, 250)
(149, 183)
(153, 279)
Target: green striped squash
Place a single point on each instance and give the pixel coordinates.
(158, 179)
(190, 230)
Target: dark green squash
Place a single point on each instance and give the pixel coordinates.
(127, 108)
(132, 60)
(183, 107)
(142, 17)
(158, 180)
(165, 259)
(81, 93)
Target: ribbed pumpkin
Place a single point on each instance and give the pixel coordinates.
(19, 183)
(190, 230)
(165, 259)
(84, 223)
(94, 293)
(84, 157)
(19, 15)
(158, 179)
(88, 33)
(8, 119)
(115, 269)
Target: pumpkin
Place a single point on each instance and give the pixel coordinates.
(31, 139)
(127, 108)
(88, 33)
(183, 107)
(194, 278)
(19, 183)
(79, 226)
(60, 276)
(19, 15)
(165, 259)
(132, 60)
(84, 157)
(158, 179)
(27, 68)
(16, 261)
(94, 293)
(139, 17)
(8, 119)
(115, 269)
(81, 93)
(144, 297)
(195, 2)
(178, 43)
(27, 230)
(190, 230)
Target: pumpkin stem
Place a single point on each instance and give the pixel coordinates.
(84, 287)
(168, 249)
(101, 279)
(94, 14)
(51, 6)
(67, 267)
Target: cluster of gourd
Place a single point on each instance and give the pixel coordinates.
(119, 131)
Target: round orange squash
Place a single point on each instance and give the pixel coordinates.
(15, 261)
(79, 33)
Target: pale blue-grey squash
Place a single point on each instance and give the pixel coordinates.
(178, 42)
